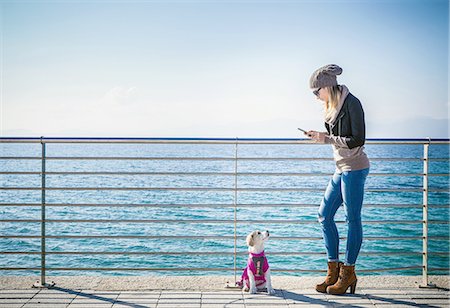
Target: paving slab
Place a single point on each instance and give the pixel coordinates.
(222, 306)
(325, 304)
(26, 291)
(8, 301)
(133, 306)
(36, 305)
(222, 302)
(171, 305)
(13, 296)
(75, 305)
(126, 298)
(50, 300)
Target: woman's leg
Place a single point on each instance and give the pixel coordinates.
(353, 195)
(328, 207)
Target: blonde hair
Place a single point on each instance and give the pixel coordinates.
(334, 96)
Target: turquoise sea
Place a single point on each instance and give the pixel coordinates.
(392, 232)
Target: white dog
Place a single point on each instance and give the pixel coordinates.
(257, 273)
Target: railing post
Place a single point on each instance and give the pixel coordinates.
(235, 203)
(235, 207)
(425, 283)
(42, 283)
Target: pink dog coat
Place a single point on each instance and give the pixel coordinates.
(259, 265)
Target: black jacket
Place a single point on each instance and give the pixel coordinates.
(350, 123)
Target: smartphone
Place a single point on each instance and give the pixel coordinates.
(302, 130)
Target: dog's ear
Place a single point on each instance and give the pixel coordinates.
(250, 241)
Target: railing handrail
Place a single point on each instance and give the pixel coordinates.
(199, 140)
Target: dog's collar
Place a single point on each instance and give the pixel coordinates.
(261, 254)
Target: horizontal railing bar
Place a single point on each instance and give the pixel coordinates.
(143, 205)
(215, 159)
(118, 158)
(223, 189)
(174, 269)
(129, 173)
(117, 173)
(93, 269)
(20, 157)
(214, 205)
(206, 173)
(166, 140)
(208, 140)
(438, 269)
(205, 237)
(118, 253)
(203, 158)
(122, 188)
(175, 173)
(439, 222)
(114, 221)
(291, 238)
(405, 159)
(359, 270)
(369, 253)
(219, 221)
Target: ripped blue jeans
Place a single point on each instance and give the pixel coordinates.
(344, 188)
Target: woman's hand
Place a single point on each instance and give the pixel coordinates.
(317, 137)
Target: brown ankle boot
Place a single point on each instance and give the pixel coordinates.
(332, 277)
(347, 278)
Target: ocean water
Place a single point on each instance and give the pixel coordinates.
(293, 229)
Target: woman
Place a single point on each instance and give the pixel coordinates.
(344, 121)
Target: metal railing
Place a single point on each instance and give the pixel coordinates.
(235, 205)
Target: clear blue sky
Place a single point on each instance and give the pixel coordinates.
(219, 68)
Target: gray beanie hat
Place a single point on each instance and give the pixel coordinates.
(325, 76)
